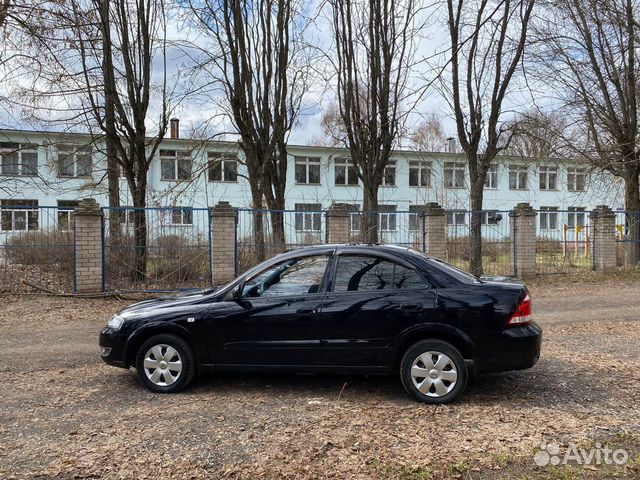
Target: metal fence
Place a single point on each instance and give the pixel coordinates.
(497, 246)
(626, 223)
(176, 254)
(36, 248)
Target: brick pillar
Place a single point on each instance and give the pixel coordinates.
(523, 237)
(436, 230)
(88, 246)
(339, 220)
(223, 237)
(603, 220)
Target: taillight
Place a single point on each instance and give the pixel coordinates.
(522, 316)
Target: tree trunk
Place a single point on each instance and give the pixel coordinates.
(632, 205)
(475, 229)
(370, 215)
(139, 272)
(258, 225)
(113, 183)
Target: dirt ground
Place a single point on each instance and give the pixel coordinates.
(67, 415)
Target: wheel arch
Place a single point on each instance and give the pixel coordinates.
(142, 334)
(446, 333)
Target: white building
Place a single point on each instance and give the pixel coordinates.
(53, 169)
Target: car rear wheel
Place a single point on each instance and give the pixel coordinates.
(165, 363)
(433, 371)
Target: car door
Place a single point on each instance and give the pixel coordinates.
(276, 321)
(371, 299)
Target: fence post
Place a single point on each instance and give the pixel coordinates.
(523, 237)
(339, 226)
(88, 247)
(603, 220)
(435, 234)
(223, 239)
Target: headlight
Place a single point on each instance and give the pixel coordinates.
(116, 322)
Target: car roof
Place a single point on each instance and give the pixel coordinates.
(373, 247)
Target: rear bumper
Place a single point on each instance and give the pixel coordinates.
(112, 348)
(515, 348)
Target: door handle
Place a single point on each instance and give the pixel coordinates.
(306, 310)
(411, 306)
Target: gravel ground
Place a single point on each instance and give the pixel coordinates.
(67, 415)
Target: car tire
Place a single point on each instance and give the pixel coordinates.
(444, 369)
(165, 363)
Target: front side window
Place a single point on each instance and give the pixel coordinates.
(345, 172)
(491, 180)
(576, 179)
(74, 161)
(357, 273)
(299, 276)
(175, 165)
(19, 215)
(548, 218)
(518, 176)
(389, 174)
(548, 178)
(454, 175)
(419, 174)
(222, 168)
(18, 159)
(307, 170)
(308, 217)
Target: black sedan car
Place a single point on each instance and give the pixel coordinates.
(334, 308)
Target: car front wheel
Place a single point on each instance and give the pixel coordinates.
(165, 363)
(433, 371)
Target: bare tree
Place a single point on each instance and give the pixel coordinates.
(591, 51)
(375, 43)
(537, 134)
(257, 57)
(429, 135)
(488, 39)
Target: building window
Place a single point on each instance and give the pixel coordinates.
(19, 215)
(355, 217)
(65, 214)
(576, 179)
(345, 172)
(491, 180)
(548, 218)
(454, 175)
(221, 168)
(175, 165)
(387, 218)
(548, 178)
(74, 161)
(577, 216)
(307, 170)
(17, 159)
(308, 217)
(492, 217)
(178, 216)
(518, 177)
(415, 217)
(457, 217)
(419, 174)
(389, 174)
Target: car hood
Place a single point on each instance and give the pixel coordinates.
(169, 302)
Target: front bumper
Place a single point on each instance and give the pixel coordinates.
(514, 348)
(112, 346)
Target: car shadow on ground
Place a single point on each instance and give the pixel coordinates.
(553, 382)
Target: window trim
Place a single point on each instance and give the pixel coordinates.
(421, 165)
(497, 177)
(392, 165)
(346, 163)
(73, 150)
(22, 148)
(220, 160)
(179, 155)
(305, 160)
(548, 169)
(454, 167)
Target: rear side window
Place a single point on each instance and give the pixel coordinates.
(357, 273)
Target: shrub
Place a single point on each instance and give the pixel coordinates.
(41, 248)
(176, 260)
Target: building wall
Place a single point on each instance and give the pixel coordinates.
(48, 187)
